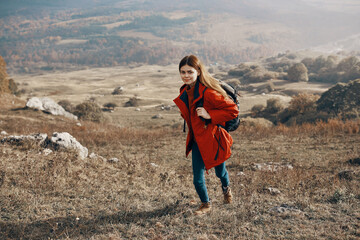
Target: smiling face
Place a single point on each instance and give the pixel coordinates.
(188, 74)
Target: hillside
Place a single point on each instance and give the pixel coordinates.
(296, 182)
(288, 182)
(63, 35)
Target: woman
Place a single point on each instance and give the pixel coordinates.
(209, 142)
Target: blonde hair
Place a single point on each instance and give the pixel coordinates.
(204, 77)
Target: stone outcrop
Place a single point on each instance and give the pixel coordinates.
(341, 99)
(49, 106)
(64, 140)
(38, 138)
(57, 142)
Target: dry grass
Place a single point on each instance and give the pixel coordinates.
(149, 193)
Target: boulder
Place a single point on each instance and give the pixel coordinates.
(65, 141)
(49, 106)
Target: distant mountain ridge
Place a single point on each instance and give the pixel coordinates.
(50, 34)
(348, 44)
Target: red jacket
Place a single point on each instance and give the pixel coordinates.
(214, 142)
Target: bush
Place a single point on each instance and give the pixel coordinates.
(240, 70)
(110, 105)
(133, 102)
(347, 64)
(13, 86)
(257, 109)
(118, 91)
(298, 72)
(302, 103)
(273, 105)
(279, 65)
(302, 108)
(66, 104)
(89, 111)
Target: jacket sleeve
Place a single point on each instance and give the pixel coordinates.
(220, 109)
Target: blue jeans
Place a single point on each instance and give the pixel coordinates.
(199, 171)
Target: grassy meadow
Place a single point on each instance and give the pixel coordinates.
(310, 189)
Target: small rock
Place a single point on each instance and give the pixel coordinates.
(273, 167)
(78, 124)
(113, 160)
(159, 225)
(284, 208)
(137, 109)
(240, 174)
(46, 151)
(272, 191)
(153, 165)
(95, 156)
(157, 116)
(117, 91)
(3, 133)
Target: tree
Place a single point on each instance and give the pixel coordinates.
(4, 81)
(298, 72)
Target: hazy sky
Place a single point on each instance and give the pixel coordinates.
(336, 5)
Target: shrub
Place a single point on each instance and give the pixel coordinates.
(257, 109)
(303, 102)
(13, 86)
(302, 109)
(308, 62)
(66, 104)
(110, 105)
(240, 70)
(347, 64)
(273, 105)
(89, 111)
(118, 91)
(298, 72)
(133, 102)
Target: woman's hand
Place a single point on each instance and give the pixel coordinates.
(201, 112)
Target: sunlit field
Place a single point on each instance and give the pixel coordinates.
(288, 182)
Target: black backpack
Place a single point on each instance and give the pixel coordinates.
(232, 93)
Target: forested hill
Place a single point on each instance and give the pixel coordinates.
(58, 34)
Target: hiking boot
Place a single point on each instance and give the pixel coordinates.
(204, 208)
(228, 197)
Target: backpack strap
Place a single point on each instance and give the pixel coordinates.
(200, 103)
